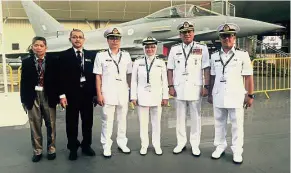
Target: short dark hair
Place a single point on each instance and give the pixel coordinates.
(76, 30)
(38, 38)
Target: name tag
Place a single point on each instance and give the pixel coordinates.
(141, 64)
(38, 88)
(88, 60)
(179, 53)
(158, 66)
(217, 60)
(82, 79)
(109, 60)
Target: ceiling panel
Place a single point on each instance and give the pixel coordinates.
(110, 16)
(88, 5)
(142, 6)
(17, 13)
(12, 4)
(92, 15)
(59, 14)
(111, 5)
(62, 5)
(5, 13)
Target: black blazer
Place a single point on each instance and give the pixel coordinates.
(29, 79)
(70, 73)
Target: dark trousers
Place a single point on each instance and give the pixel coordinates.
(83, 105)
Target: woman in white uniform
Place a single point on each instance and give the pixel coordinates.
(149, 90)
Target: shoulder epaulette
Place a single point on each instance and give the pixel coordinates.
(102, 50)
(216, 51)
(240, 49)
(176, 44)
(203, 44)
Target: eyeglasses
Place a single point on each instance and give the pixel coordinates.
(185, 32)
(75, 37)
(113, 38)
(224, 36)
(150, 47)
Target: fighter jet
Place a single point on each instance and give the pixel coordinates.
(162, 25)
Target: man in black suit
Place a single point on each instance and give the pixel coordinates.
(78, 93)
(39, 96)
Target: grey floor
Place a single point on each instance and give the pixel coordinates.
(266, 149)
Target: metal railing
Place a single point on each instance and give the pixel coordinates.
(271, 74)
(10, 77)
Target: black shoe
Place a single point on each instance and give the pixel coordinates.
(51, 156)
(88, 151)
(73, 155)
(36, 158)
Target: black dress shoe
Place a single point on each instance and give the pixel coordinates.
(51, 156)
(88, 151)
(73, 155)
(36, 158)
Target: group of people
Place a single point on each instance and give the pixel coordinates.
(78, 80)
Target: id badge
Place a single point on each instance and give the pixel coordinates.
(82, 79)
(148, 87)
(185, 72)
(222, 79)
(38, 88)
(118, 77)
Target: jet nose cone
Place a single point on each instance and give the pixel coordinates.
(254, 27)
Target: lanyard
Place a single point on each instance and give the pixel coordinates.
(224, 65)
(116, 64)
(148, 68)
(187, 57)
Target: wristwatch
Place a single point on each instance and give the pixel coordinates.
(170, 86)
(206, 86)
(252, 96)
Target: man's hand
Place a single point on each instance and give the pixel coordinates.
(248, 101)
(172, 91)
(164, 102)
(24, 108)
(204, 92)
(63, 102)
(100, 100)
(95, 102)
(210, 99)
(134, 102)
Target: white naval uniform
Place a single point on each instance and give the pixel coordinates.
(188, 88)
(149, 98)
(115, 92)
(228, 97)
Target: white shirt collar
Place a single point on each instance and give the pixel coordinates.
(77, 50)
(232, 50)
(189, 45)
(112, 54)
(36, 58)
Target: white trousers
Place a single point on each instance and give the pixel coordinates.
(107, 125)
(236, 116)
(195, 115)
(155, 112)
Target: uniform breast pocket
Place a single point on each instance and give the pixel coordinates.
(235, 63)
(107, 65)
(179, 62)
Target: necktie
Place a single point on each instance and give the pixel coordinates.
(80, 61)
(40, 72)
